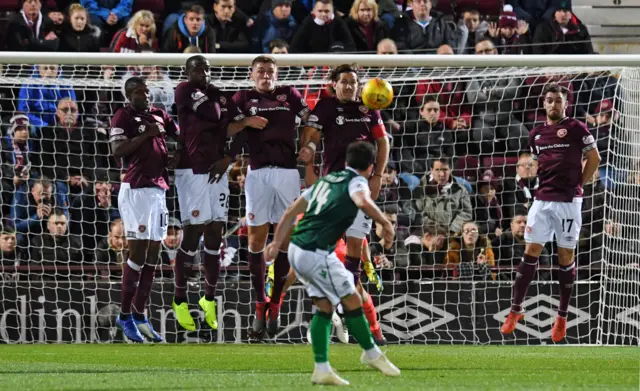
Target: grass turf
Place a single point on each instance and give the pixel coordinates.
(271, 367)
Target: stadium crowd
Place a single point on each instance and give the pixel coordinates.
(460, 179)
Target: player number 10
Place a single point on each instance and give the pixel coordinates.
(320, 196)
(567, 224)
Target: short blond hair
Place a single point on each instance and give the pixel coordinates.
(73, 8)
(139, 16)
(353, 13)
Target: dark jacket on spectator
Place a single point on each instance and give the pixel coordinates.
(516, 192)
(517, 44)
(232, 36)
(23, 38)
(85, 41)
(268, 28)
(509, 250)
(367, 41)
(535, 11)
(313, 38)
(410, 36)
(24, 209)
(9, 258)
(422, 141)
(488, 216)
(591, 90)
(604, 140)
(589, 248)
(178, 38)
(90, 221)
(550, 39)
(56, 250)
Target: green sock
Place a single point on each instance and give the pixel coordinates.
(359, 328)
(320, 336)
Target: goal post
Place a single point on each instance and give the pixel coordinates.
(487, 106)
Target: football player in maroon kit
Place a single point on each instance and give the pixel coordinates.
(341, 120)
(207, 118)
(273, 180)
(137, 136)
(558, 148)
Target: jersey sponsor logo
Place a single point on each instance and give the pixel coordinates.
(588, 140)
(195, 213)
(142, 228)
(116, 131)
(552, 146)
(223, 100)
(340, 120)
(197, 95)
(281, 98)
(313, 118)
(131, 234)
(562, 132)
(364, 109)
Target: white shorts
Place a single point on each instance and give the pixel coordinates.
(361, 226)
(143, 212)
(201, 202)
(269, 191)
(322, 274)
(546, 218)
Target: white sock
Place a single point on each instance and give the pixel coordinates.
(323, 367)
(373, 353)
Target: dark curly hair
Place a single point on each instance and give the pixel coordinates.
(334, 74)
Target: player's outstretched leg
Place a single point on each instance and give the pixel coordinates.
(212, 239)
(280, 272)
(130, 278)
(320, 330)
(359, 328)
(526, 271)
(566, 278)
(142, 293)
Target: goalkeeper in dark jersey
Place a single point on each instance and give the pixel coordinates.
(330, 207)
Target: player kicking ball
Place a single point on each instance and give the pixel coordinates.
(558, 147)
(330, 207)
(137, 136)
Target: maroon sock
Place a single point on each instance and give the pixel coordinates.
(211, 273)
(180, 275)
(524, 276)
(280, 273)
(130, 279)
(257, 269)
(353, 265)
(566, 278)
(144, 289)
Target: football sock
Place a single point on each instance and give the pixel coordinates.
(353, 265)
(524, 276)
(257, 268)
(211, 273)
(143, 291)
(320, 336)
(371, 315)
(280, 272)
(183, 257)
(359, 328)
(130, 277)
(566, 278)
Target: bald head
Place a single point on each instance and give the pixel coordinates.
(194, 61)
(445, 49)
(387, 46)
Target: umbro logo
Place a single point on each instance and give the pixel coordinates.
(408, 317)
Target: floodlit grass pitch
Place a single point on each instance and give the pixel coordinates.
(275, 367)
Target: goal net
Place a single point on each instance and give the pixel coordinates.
(63, 248)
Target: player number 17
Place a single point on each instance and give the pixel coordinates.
(567, 224)
(320, 196)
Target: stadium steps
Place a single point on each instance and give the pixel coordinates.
(614, 25)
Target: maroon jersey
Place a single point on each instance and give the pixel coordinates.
(147, 165)
(341, 124)
(559, 149)
(203, 116)
(275, 144)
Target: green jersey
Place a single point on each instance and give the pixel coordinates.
(330, 210)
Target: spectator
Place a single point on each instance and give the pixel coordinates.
(32, 204)
(422, 29)
(591, 241)
(388, 12)
(382, 255)
(112, 249)
(564, 34)
(518, 192)
(439, 200)
(601, 130)
(57, 17)
(591, 90)
(426, 140)
(366, 28)
(535, 12)
(9, 252)
(322, 32)
(472, 255)
(492, 100)
(40, 101)
(30, 31)
(170, 247)
(487, 212)
(278, 46)
(174, 10)
(161, 87)
(510, 35)
(470, 31)
(428, 249)
(56, 246)
(108, 15)
(92, 213)
(72, 152)
(393, 191)
(387, 46)
(77, 34)
(190, 29)
(192, 50)
(230, 25)
(509, 248)
(138, 36)
(276, 23)
(16, 159)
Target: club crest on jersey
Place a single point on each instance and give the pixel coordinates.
(364, 109)
(253, 110)
(195, 213)
(562, 132)
(340, 120)
(142, 228)
(197, 95)
(142, 128)
(223, 100)
(528, 229)
(281, 98)
(251, 216)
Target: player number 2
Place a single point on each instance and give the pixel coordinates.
(320, 196)
(567, 224)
